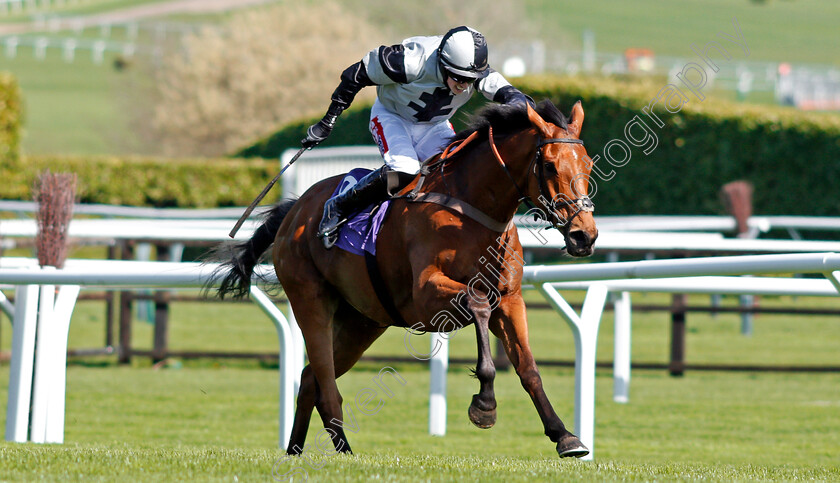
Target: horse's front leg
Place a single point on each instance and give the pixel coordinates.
(482, 410)
(511, 326)
(436, 298)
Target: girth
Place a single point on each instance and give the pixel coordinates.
(381, 290)
(463, 208)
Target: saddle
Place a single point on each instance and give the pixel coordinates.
(358, 234)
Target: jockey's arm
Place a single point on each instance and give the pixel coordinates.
(353, 79)
(497, 89)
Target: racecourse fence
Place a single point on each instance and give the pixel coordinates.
(131, 232)
(29, 6)
(134, 239)
(15, 7)
(68, 47)
(41, 322)
(41, 371)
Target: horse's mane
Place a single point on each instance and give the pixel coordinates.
(510, 118)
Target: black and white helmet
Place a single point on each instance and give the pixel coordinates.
(463, 52)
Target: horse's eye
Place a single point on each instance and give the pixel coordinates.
(551, 168)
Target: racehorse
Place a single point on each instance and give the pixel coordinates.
(447, 246)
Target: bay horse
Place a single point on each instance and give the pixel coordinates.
(449, 228)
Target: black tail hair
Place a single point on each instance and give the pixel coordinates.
(239, 259)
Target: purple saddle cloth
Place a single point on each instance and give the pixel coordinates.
(358, 234)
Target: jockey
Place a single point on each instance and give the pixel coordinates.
(421, 82)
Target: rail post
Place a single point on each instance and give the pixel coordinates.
(126, 297)
(161, 299)
(21, 367)
(438, 365)
(621, 359)
(287, 362)
(676, 366)
(585, 330)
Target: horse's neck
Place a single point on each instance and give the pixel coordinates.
(479, 178)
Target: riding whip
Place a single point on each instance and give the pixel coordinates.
(264, 192)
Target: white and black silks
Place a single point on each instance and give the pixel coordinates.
(411, 83)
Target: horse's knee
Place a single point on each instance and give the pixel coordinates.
(479, 306)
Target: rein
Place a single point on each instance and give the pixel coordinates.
(583, 203)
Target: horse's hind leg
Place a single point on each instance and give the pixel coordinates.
(303, 412)
(314, 304)
(353, 334)
(512, 328)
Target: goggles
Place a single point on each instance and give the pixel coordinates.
(460, 79)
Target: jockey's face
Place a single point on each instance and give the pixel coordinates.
(457, 86)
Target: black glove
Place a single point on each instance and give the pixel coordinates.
(318, 132)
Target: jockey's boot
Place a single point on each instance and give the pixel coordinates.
(377, 185)
(370, 189)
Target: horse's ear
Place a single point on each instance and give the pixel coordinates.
(576, 120)
(538, 121)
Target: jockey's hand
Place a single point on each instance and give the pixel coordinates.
(319, 131)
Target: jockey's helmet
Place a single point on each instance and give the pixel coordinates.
(463, 54)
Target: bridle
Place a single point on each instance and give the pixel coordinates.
(583, 204)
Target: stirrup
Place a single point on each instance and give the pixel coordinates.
(330, 238)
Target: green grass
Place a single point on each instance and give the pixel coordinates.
(205, 424)
(783, 31)
(72, 108)
(213, 420)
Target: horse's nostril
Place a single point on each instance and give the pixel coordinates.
(579, 238)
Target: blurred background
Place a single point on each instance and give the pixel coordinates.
(188, 78)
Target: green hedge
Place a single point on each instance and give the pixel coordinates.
(791, 157)
(350, 130)
(157, 182)
(10, 120)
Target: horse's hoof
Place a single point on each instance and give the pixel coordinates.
(570, 446)
(481, 418)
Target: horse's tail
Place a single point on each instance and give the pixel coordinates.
(239, 259)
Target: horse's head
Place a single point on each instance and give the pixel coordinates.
(560, 185)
